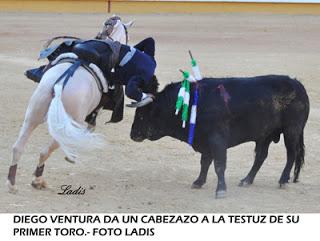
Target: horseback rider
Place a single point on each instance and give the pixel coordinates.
(136, 70)
(112, 96)
(133, 67)
(111, 27)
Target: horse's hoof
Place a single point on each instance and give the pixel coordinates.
(11, 188)
(39, 183)
(221, 194)
(91, 127)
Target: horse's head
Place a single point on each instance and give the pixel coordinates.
(113, 28)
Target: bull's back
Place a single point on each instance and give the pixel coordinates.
(258, 106)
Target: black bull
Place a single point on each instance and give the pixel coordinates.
(260, 109)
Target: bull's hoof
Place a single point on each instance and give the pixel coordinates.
(11, 188)
(221, 194)
(244, 183)
(197, 184)
(283, 185)
(39, 183)
(296, 180)
(283, 182)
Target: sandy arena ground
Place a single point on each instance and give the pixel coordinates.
(156, 176)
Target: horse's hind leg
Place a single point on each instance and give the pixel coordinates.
(35, 115)
(17, 149)
(261, 150)
(38, 182)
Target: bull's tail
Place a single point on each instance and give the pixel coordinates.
(72, 136)
(299, 161)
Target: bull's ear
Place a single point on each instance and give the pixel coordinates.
(129, 24)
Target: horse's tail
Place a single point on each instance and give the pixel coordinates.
(73, 137)
(299, 161)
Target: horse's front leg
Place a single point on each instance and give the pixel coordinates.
(38, 181)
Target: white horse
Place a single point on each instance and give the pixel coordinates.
(65, 110)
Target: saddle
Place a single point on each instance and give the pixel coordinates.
(98, 53)
(112, 96)
(51, 53)
(114, 101)
(104, 54)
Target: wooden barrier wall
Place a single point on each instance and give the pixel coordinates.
(159, 6)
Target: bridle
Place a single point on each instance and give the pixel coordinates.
(109, 25)
(109, 22)
(126, 32)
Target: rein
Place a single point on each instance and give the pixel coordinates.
(109, 26)
(47, 44)
(126, 31)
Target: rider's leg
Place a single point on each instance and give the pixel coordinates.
(147, 46)
(133, 90)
